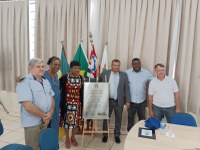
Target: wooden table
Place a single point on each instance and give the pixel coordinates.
(186, 138)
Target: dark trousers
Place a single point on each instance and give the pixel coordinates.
(140, 109)
(118, 110)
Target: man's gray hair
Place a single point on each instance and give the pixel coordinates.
(34, 61)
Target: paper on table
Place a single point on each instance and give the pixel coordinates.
(170, 134)
(146, 132)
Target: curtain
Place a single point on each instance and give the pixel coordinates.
(134, 28)
(14, 42)
(60, 20)
(156, 31)
(187, 72)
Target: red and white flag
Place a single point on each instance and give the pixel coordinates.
(93, 66)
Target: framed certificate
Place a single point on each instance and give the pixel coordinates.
(147, 133)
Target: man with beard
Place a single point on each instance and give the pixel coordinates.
(138, 81)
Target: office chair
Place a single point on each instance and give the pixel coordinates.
(183, 119)
(13, 146)
(48, 139)
(16, 147)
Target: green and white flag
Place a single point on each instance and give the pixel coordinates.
(80, 56)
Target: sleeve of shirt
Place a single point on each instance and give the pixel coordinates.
(51, 93)
(127, 88)
(174, 86)
(150, 90)
(24, 92)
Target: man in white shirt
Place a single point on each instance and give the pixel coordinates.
(138, 81)
(164, 98)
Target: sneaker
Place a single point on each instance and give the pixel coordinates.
(104, 139)
(117, 140)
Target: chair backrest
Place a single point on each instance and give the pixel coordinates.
(183, 119)
(13, 146)
(1, 128)
(48, 139)
(16, 147)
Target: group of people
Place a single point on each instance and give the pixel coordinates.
(47, 101)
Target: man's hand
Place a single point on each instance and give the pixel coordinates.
(46, 119)
(177, 110)
(127, 105)
(151, 114)
(48, 115)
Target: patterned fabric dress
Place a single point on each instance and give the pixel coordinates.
(71, 96)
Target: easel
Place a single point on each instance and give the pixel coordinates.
(95, 116)
(94, 130)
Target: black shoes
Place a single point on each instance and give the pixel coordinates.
(104, 139)
(117, 140)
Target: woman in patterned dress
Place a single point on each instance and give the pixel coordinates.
(71, 85)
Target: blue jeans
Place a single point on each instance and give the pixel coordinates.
(160, 112)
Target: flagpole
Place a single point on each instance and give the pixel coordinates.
(91, 36)
(61, 43)
(91, 42)
(81, 40)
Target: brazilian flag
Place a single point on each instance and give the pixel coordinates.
(80, 56)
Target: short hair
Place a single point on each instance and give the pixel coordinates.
(160, 65)
(34, 61)
(52, 59)
(116, 60)
(74, 63)
(135, 59)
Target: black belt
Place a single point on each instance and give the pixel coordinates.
(113, 99)
(137, 103)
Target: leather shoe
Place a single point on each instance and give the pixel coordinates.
(104, 139)
(117, 140)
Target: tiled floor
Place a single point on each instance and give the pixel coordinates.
(14, 133)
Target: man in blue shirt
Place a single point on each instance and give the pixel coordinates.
(138, 82)
(37, 104)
